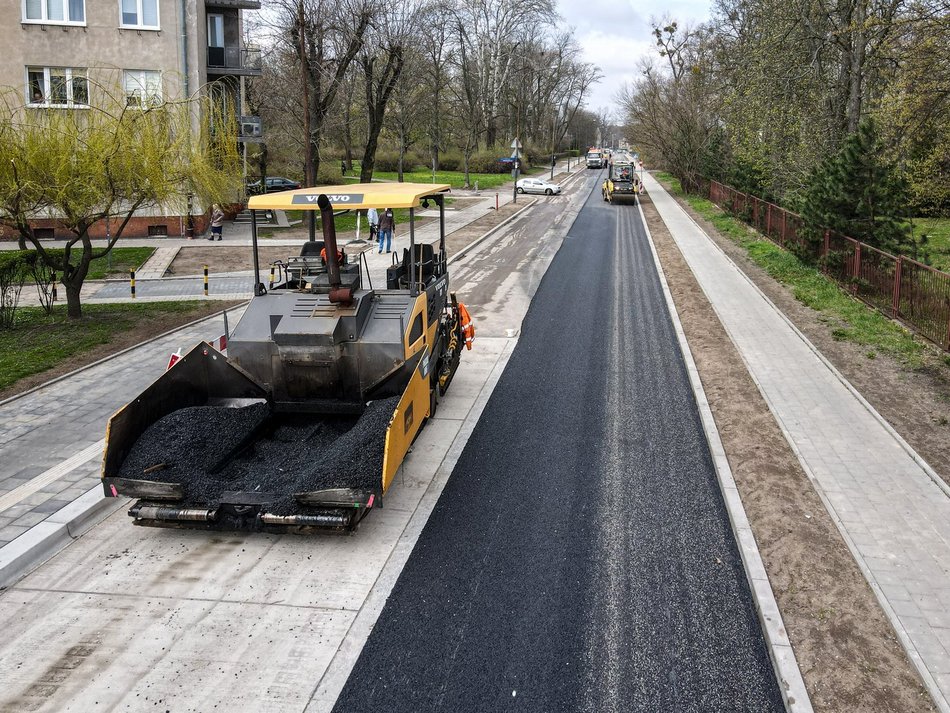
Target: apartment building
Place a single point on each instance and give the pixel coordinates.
(58, 53)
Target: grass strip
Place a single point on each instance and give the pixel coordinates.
(38, 342)
(850, 320)
(118, 262)
(937, 231)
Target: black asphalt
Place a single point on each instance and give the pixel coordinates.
(580, 557)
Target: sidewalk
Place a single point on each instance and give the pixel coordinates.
(892, 510)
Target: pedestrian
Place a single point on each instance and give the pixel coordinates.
(372, 215)
(217, 222)
(343, 167)
(387, 224)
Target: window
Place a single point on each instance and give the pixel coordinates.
(57, 86)
(140, 13)
(143, 87)
(65, 12)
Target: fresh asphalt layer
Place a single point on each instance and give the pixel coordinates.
(580, 557)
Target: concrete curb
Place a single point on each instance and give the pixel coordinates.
(45, 539)
(784, 663)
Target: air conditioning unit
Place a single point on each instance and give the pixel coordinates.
(250, 127)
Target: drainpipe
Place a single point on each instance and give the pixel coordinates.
(189, 220)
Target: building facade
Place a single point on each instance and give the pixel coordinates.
(59, 53)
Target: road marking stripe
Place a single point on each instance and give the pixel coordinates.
(48, 476)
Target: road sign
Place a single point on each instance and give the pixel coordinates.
(516, 145)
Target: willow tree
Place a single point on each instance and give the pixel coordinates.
(107, 162)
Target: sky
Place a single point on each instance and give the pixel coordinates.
(615, 35)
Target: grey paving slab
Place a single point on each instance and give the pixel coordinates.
(94, 395)
(870, 480)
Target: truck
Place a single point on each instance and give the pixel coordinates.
(595, 158)
(327, 382)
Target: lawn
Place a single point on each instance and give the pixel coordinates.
(38, 342)
(118, 262)
(937, 231)
(456, 179)
(856, 322)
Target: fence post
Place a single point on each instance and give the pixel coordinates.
(755, 212)
(896, 302)
(784, 225)
(768, 221)
(826, 248)
(856, 272)
(206, 280)
(132, 282)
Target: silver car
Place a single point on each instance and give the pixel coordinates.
(537, 185)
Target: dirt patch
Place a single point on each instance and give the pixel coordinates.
(222, 258)
(146, 330)
(848, 652)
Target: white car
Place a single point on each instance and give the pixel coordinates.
(537, 185)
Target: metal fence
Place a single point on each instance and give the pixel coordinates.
(900, 287)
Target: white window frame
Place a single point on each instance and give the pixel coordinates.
(44, 20)
(140, 76)
(71, 73)
(138, 14)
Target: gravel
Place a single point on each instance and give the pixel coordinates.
(282, 454)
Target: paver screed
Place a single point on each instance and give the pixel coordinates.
(891, 508)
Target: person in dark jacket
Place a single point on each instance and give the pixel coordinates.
(387, 224)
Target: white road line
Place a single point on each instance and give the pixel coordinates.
(48, 476)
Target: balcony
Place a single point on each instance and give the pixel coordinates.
(234, 60)
(234, 4)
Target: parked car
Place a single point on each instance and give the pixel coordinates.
(537, 185)
(274, 184)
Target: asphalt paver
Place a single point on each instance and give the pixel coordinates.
(580, 557)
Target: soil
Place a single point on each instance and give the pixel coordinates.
(223, 257)
(849, 654)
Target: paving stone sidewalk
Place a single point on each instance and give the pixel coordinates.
(891, 508)
(42, 429)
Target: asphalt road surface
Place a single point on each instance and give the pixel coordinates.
(580, 557)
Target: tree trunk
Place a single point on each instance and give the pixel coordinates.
(73, 305)
(856, 69)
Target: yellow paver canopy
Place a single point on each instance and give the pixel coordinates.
(354, 195)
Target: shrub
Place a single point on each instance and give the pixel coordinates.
(450, 161)
(487, 162)
(329, 174)
(12, 276)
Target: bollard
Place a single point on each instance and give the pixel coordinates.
(132, 282)
(271, 285)
(496, 201)
(206, 280)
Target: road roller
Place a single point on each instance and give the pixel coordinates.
(622, 182)
(326, 382)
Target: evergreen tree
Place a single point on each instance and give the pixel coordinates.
(859, 193)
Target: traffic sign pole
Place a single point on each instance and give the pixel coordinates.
(516, 155)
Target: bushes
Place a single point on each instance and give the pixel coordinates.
(16, 267)
(12, 277)
(487, 162)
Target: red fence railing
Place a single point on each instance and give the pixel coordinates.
(900, 287)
